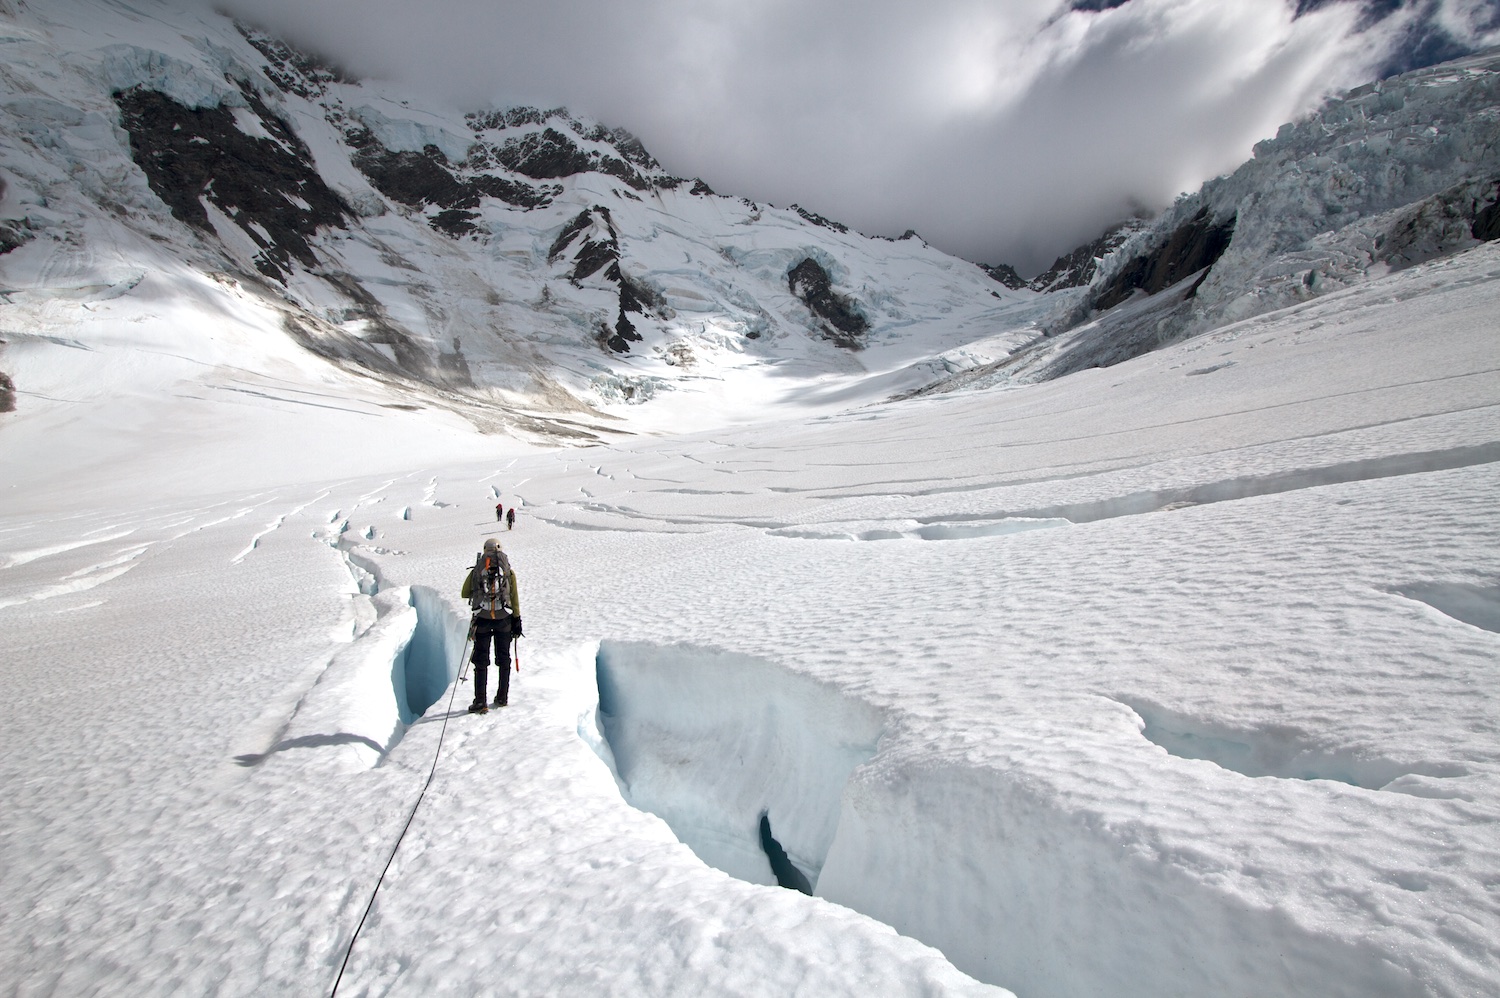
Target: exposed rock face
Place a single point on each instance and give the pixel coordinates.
(544, 155)
(600, 247)
(1486, 224)
(627, 145)
(842, 322)
(7, 393)
(429, 179)
(557, 150)
(265, 184)
(600, 251)
(13, 234)
(294, 72)
(635, 297)
(817, 219)
(1077, 269)
(1005, 274)
(422, 179)
(580, 222)
(1192, 247)
(1444, 223)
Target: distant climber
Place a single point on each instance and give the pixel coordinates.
(510, 518)
(490, 588)
(499, 511)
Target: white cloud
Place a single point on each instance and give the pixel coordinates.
(1003, 131)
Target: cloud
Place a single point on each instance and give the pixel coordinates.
(1001, 130)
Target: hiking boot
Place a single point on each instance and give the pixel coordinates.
(500, 703)
(478, 707)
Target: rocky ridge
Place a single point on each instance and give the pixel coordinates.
(517, 265)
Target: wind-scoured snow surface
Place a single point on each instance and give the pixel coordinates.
(1172, 678)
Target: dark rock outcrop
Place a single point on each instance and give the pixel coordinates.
(7, 393)
(267, 185)
(294, 72)
(630, 148)
(816, 219)
(635, 297)
(1192, 247)
(599, 249)
(580, 222)
(544, 155)
(596, 253)
(415, 179)
(1447, 222)
(624, 334)
(1005, 274)
(511, 117)
(1487, 221)
(619, 169)
(13, 234)
(1077, 269)
(842, 322)
(426, 178)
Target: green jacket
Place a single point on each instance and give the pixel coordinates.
(514, 593)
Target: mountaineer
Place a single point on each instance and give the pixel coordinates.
(490, 588)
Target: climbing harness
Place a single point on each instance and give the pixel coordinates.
(391, 858)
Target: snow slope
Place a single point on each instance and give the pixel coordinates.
(537, 275)
(1174, 678)
(1171, 678)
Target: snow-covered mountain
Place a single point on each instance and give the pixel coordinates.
(1175, 678)
(543, 276)
(1379, 179)
(528, 270)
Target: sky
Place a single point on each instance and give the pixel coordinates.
(1003, 131)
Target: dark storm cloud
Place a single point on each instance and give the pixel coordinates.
(1004, 131)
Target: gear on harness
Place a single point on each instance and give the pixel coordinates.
(491, 588)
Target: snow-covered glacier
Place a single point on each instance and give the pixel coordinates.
(1170, 677)
(1381, 178)
(526, 270)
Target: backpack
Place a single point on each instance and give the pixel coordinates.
(490, 593)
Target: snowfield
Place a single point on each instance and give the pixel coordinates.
(1172, 678)
(854, 665)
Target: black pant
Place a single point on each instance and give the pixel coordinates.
(485, 631)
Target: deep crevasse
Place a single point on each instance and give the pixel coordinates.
(1013, 886)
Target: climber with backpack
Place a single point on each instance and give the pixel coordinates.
(490, 588)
